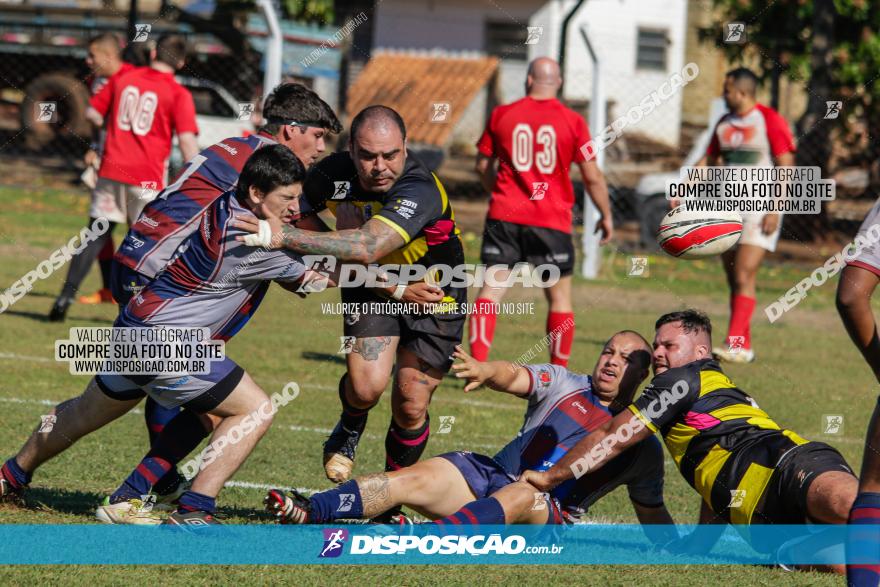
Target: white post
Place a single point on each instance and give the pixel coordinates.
(274, 46)
(591, 252)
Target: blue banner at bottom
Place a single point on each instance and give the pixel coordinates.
(427, 544)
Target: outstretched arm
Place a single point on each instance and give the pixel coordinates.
(498, 375)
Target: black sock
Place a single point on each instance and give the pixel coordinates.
(80, 265)
(404, 447)
(352, 418)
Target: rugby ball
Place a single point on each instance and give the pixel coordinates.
(690, 234)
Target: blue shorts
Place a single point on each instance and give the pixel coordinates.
(200, 393)
(125, 283)
(485, 476)
(482, 474)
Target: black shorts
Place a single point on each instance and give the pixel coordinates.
(506, 243)
(431, 337)
(785, 499)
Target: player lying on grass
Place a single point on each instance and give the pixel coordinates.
(466, 487)
(216, 282)
(747, 468)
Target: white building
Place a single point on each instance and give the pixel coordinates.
(639, 42)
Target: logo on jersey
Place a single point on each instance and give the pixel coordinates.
(832, 109)
(346, 344)
(141, 32)
(737, 497)
(544, 378)
(334, 538)
(440, 111)
(539, 190)
(533, 34)
(446, 423)
(832, 424)
(638, 267)
(144, 219)
(46, 112)
(735, 33)
(341, 189)
(580, 407)
(406, 208)
(245, 111)
(136, 243)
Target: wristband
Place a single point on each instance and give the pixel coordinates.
(398, 292)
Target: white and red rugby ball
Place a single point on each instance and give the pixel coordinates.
(689, 234)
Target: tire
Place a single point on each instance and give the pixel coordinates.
(651, 213)
(72, 98)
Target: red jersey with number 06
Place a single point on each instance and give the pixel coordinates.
(535, 142)
(142, 109)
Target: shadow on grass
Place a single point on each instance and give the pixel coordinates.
(78, 503)
(45, 317)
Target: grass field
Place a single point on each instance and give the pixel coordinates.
(806, 368)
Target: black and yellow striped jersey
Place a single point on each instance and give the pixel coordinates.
(416, 207)
(723, 444)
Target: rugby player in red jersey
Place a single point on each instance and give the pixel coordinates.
(750, 134)
(524, 159)
(142, 109)
(105, 61)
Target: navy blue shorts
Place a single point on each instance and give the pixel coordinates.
(485, 476)
(125, 283)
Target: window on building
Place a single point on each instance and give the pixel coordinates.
(506, 40)
(651, 49)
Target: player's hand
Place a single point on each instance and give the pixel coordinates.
(469, 368)
(91, 158)
(252, 225)
(348, 216)
(540, 480)
(770, 223)
(422, 293)
(606, 226)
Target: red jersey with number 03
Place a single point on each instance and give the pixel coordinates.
(142, 108)
(535, 142)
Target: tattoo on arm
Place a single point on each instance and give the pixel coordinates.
(375, 494)
(370, 348)
(367, 244)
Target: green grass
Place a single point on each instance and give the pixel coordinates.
(806, 368)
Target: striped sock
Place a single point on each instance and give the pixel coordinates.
(484, 511)
(191, 501)
(141, 479)
(404, 447)
(338, 503)
(863, 542)
(15, 475)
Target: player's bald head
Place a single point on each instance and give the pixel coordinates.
(543, 76)
(380, 119)
(642, 352)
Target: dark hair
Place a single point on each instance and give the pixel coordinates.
(107, 40)
(270, 168)
(377, 112)
(290, 102)
(744, 78)
(171, 50)
(691, 321)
